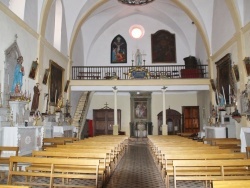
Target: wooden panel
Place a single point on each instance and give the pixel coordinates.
(191, 119)
(103, 121)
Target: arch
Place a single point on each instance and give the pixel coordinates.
(172, 116)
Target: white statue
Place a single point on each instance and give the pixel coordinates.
(138, 58)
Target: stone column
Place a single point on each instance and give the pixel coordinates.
(164, 125)
(115, 126)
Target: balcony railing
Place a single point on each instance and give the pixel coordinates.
(122, 72)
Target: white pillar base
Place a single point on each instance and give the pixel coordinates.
(115, 129)
(165, 129)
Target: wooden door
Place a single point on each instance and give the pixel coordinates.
(191, 119)
(103, 121)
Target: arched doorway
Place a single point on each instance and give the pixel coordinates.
(173, 120)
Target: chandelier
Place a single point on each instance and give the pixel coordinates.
(135, 2)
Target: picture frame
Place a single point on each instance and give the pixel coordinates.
(224, 76)
(235, 71)
(163, 47)
(56, 82)
(140, 111)
(66, 86)
(46, 76)
(118, 50)
(33, 70)
(213, 84)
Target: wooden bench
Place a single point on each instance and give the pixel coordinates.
(59, 168)
(232, 184)
(4, 157)
(52, 142)
(209, 170)
(13, 186)
(104, 167)
(89, 75)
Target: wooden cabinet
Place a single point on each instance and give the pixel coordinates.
(103, 121)
(191, 119)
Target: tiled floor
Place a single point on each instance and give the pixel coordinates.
(138, 170)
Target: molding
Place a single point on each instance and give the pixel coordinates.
(18, 20)
(228, 44)
(143, 82)
(246, 28)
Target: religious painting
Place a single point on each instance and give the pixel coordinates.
(118, 50)
(33, 70)
(66, 86)
(45, 76)
(224, 77)
(56, 80)
(140, 109)
(236, 73)
(163, 47)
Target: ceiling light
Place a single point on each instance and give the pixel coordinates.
(135, 2)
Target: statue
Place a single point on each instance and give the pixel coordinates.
(18, 76)
(59, 104)
(35, 101)
(138, 58)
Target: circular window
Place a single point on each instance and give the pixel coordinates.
(136, 31)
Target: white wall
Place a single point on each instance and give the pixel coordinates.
(173, 100)
(97, 48)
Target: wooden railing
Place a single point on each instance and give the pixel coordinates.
(121, 72)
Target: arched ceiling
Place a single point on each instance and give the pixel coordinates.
(175, 14)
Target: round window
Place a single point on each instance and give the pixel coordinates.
(136, 31)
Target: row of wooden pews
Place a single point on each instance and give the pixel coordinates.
(89, 159)
(181, 158)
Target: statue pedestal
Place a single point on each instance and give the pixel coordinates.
(18, 109)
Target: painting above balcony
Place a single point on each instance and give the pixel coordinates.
(118, 50)
(163, 47)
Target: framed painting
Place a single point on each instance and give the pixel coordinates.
(33, 70)
(236, 74)
(163, 47)
(45, 76)
(140, 110)
(56, 81)
(66, 86)
(118, 50)
(224, 76)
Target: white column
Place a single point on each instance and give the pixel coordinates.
(164, 125)
(115, 126)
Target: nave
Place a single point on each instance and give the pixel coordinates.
(138, 170)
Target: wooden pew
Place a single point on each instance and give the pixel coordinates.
(59, 168)
(211, 170)
(13, 186)
(104, 166)
(52, 142)
(232, 184)
(4, 160)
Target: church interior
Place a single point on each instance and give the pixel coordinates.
(121, 84)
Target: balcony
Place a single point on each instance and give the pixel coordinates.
(145, 72)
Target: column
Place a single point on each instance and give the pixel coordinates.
(164, 125)
(115, 126)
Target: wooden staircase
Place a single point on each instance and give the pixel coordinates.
(81, 112)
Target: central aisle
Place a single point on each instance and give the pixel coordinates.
(136, 169)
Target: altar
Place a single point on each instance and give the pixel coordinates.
(244, 138)
(26, 138)
(215, 132)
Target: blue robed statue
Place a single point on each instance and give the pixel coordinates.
(18, 76)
